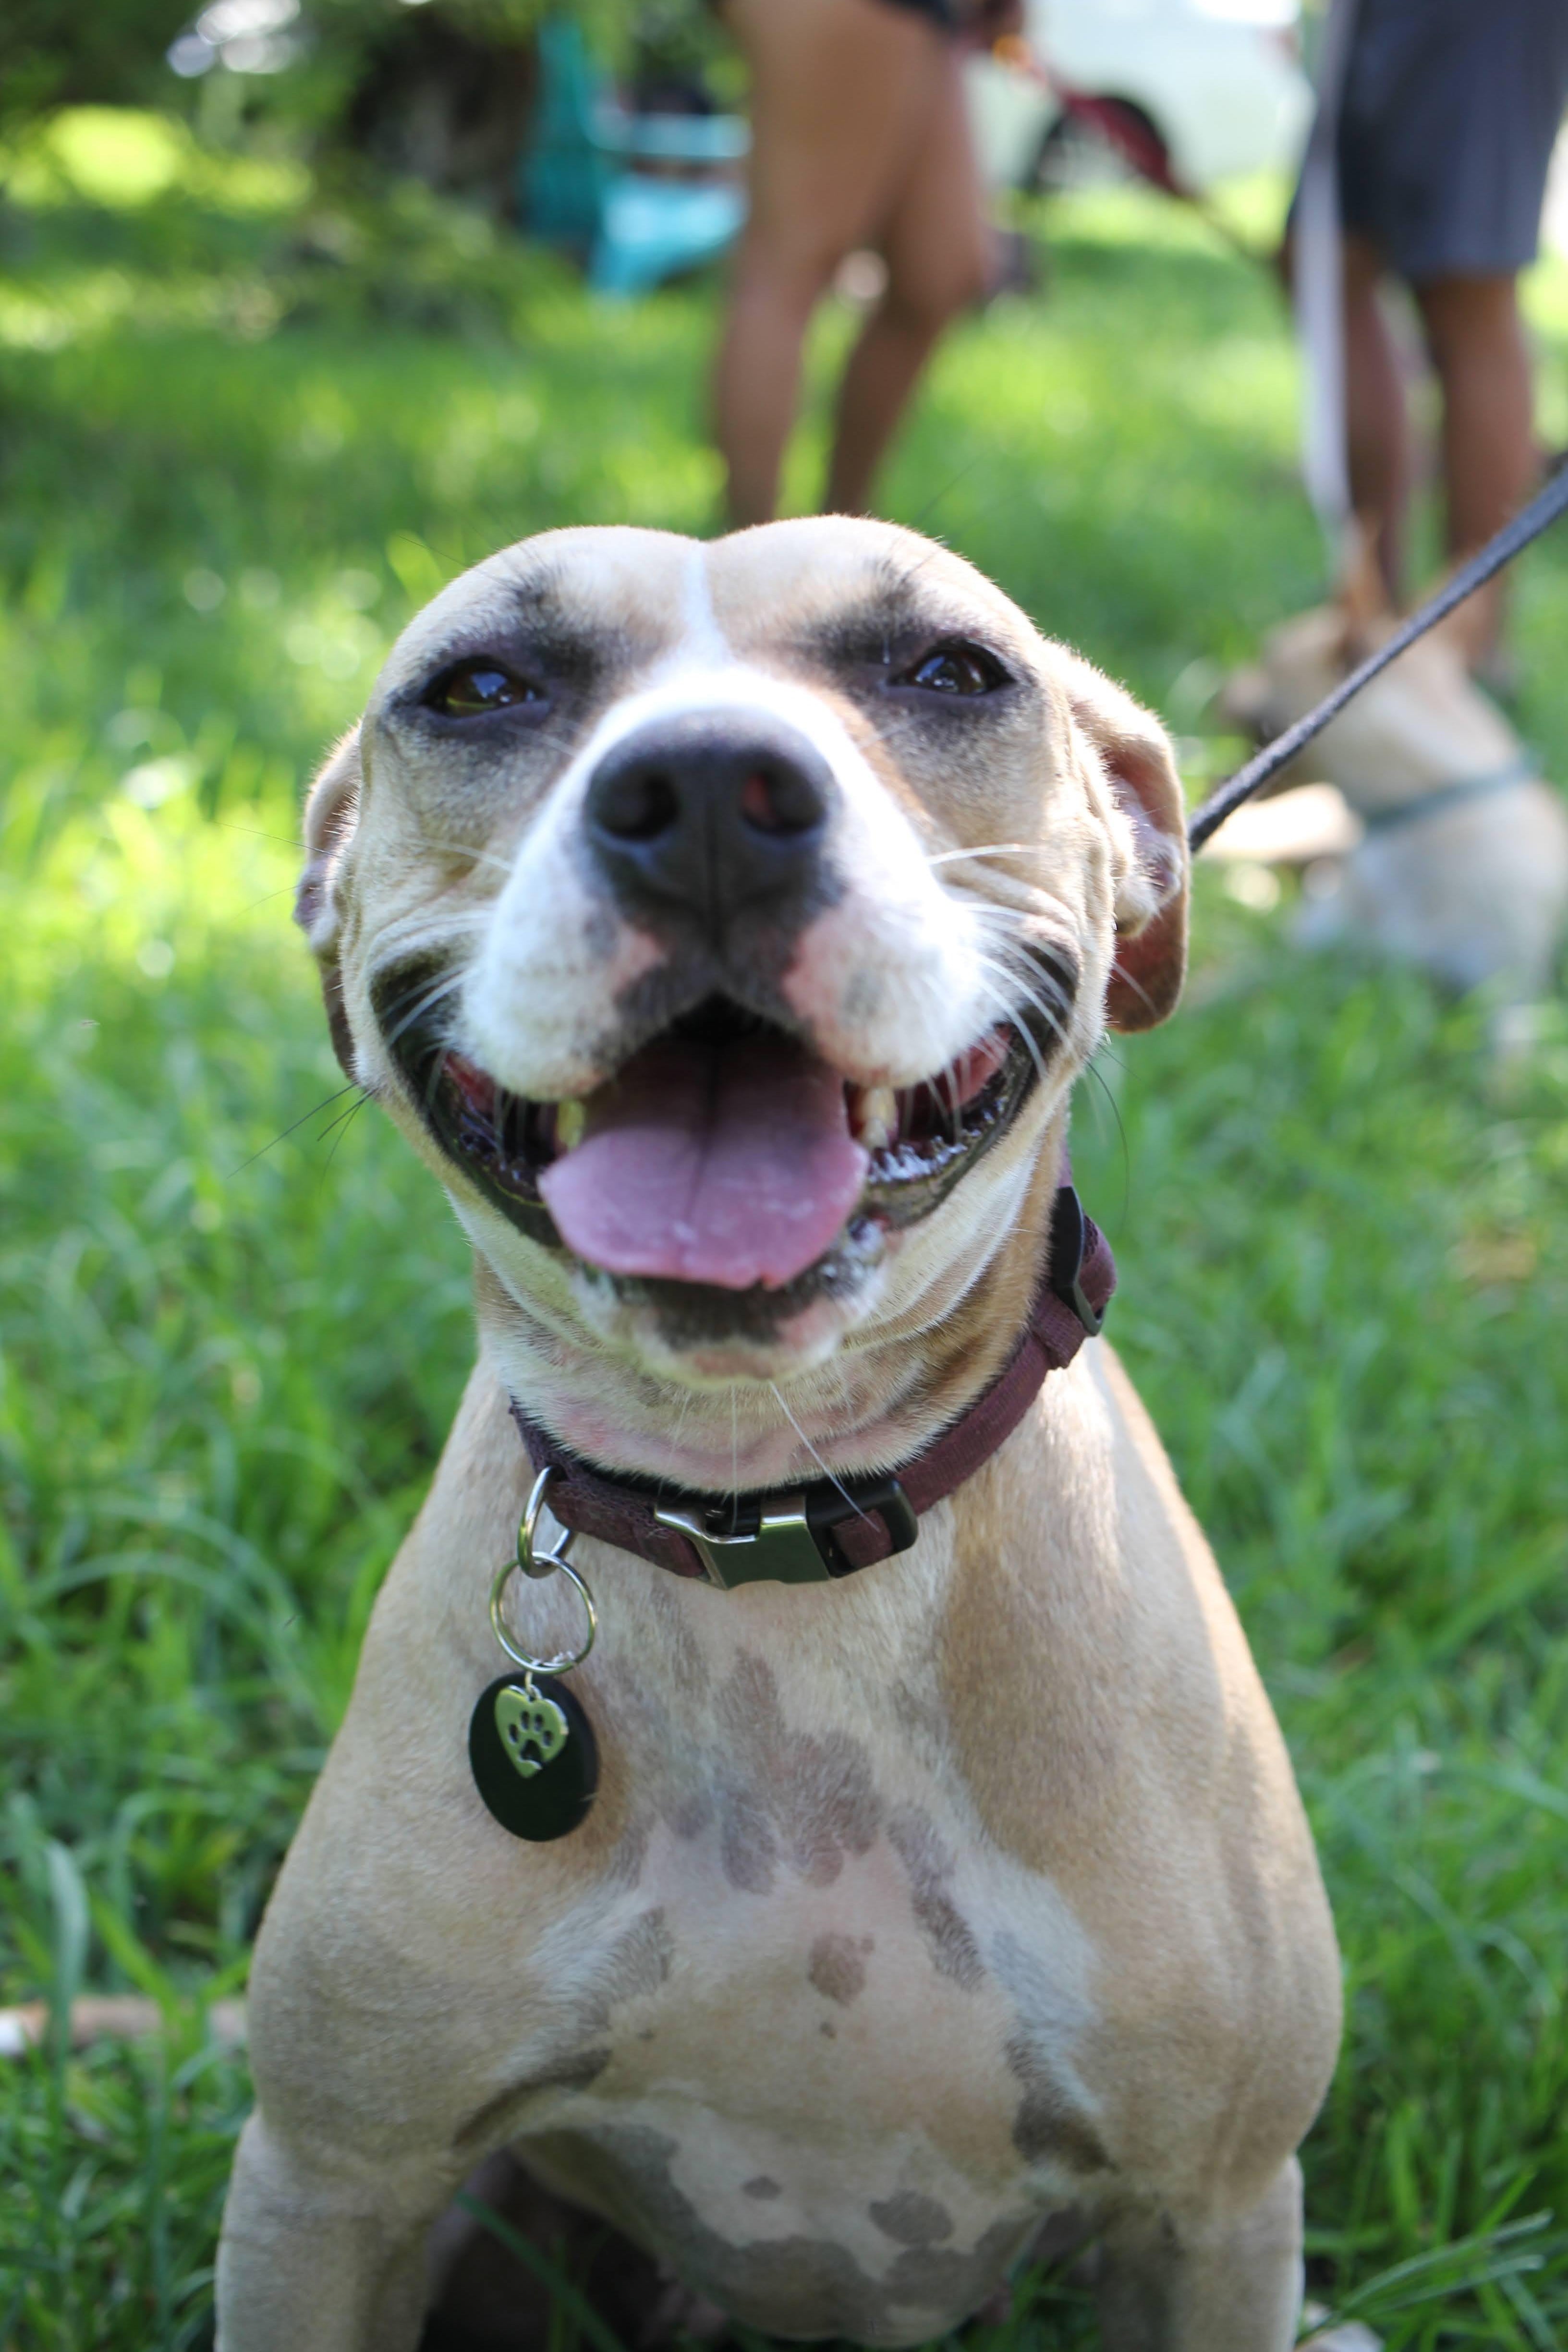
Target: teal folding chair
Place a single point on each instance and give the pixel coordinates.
(580, 187)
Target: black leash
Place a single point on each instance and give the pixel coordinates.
(1538, 515)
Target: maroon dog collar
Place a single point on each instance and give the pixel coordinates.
(809, 1534)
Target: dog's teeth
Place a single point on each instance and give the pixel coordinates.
(876, 1117)
(570, 1120)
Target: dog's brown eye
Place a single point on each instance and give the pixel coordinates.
(957, 669)
(476, 686)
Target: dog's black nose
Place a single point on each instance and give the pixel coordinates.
(709, 813)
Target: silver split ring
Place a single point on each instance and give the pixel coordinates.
(533, 1561)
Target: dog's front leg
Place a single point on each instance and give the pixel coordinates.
(1223, 2285)
(317, 2258)
(361, 2056)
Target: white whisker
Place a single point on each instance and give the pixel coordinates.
(986, 849)
(828, 1474)
(686, 1400)
(1007, 1002)
(946, 1091)
(1023, 980)
(446, 985)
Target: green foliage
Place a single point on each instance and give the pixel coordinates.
(252, 421)
(57, 53)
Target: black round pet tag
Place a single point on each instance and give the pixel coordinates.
(533, 1756)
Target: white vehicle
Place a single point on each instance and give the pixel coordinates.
(1217, 82)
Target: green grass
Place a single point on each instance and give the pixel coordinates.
(248, 424)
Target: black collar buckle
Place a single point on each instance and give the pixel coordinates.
(789, 1538)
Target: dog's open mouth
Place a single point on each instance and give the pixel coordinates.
(724, 1152)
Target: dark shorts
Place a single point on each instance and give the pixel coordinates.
(1446, 126)
(939, 12)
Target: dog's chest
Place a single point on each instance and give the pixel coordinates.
(816, 2039)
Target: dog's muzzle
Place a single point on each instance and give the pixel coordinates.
(721, 1153)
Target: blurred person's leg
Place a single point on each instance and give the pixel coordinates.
(1477, 341)
(937, 244)
(1378, 426)
(1451, 111)
(842, 91)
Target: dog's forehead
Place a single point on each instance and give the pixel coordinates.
(784, 582)
(612, 584)
(640, 595)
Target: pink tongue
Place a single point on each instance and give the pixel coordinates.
(728, 1164)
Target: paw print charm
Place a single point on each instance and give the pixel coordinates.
(533, 1728)
(532, 1755)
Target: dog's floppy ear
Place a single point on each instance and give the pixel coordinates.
(1152, 886)
(329, 816)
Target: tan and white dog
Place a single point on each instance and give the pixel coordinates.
(1458, 860)
(725, 925)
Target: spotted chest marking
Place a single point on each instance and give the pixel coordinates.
(814, 2037)
(836, 1966)
(893, 2269)
(786, 1811)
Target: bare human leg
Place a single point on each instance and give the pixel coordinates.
(1477, 341)
(938, 248)
(842, 92)
(1377, 429)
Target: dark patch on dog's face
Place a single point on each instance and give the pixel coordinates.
(949, 1938)
(838, 1966)
(469, 782)
(952, 708)
(912, 2220)
(762, 2187)
(942, 684)
(562, 666)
